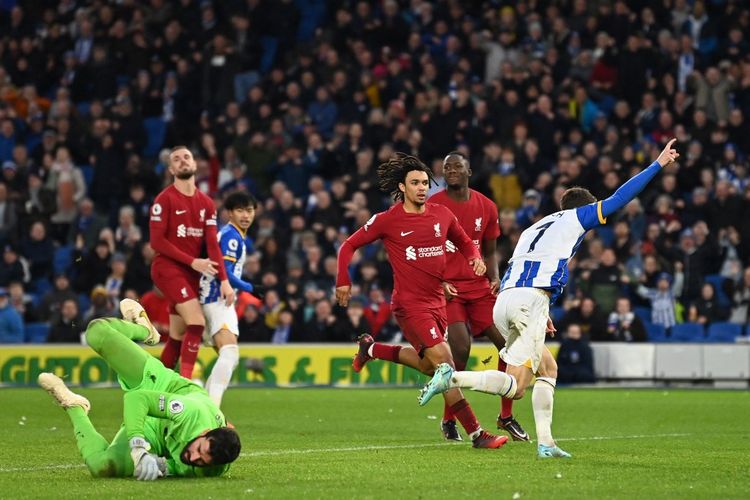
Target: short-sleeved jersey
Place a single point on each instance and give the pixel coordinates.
(182, 221)
(234, 249)
(415, 244)
(478, 218)
(540, 259)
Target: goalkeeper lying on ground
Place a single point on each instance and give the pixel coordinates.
(171, 426)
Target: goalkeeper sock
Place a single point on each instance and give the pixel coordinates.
(171, 352)
(489, 381)
(506, 404)
(466, 416)
(191, 344)
(90, 443)
(542, 401)
(221, 374)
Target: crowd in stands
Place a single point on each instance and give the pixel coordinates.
(297, 101)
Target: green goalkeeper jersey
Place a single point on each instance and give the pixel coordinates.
(169, 411)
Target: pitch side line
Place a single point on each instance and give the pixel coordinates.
(271, 453)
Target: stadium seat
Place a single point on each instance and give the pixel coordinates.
(36, 333)
(644, 313)
(62, 259)
(557, 314)
(717, 281)
(155, 131)
(84, 302)
(687, 332)
(88, 174)
(41, 286)
(656, 333)
(723, 332)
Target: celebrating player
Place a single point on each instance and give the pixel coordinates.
(171, 426)
(182, 219)
(222, 327)
(415, 233)
(536, 276)
(471, 297)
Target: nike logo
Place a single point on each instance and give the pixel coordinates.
(180, 212)
(406, 233)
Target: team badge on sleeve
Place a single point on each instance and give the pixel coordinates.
(156, 212)
(176, 407)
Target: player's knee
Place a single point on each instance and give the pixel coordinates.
(520, 391)
(95, 332)
(103, 468)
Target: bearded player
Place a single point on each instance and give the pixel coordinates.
(414, 233)
(471, 297)
(183, 219)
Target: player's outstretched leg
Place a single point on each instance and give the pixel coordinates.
(439, 383)
(221, 373)
(97, 453)
(369, 349)
(542, 401)
(365, 341)
(489, 381)
(505, 420)
(112, 339)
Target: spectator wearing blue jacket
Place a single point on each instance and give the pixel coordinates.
(11, 324)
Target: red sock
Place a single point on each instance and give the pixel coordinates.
(447, 411)
(506, 405)
(171, 352)
(387, 352)
(191, 344)
(466, 416)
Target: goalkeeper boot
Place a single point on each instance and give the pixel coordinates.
(64, 396)
(512, 427)
(450, 431)
(555, 451)
(135, 313)
(487, 440)
(438, 384)
(362, 357)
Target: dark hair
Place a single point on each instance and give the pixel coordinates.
(576, 197)
(394, 171)
(457, 153)
(176, 148)
(224, 445)
(240, 199)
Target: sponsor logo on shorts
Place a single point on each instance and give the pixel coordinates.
(433, 332)
(183, 291)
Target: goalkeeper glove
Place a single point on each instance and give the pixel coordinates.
(146, 464)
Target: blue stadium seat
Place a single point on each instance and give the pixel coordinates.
(155, 131)
(723, 332)
(687, 332)
(84, 302)
(62, 259)
(717, 281)
(655, 333)
(557, 313)
(88, 174)
(36, 333)
(644, 313)
(41, 286)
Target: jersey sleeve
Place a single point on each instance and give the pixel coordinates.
(211, 235)
(373, 229)
(231, 246)
(492, 232)
(591, 215)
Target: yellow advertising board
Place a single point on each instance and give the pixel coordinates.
(283, 365)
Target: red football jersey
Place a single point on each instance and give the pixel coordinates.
(180, 224)
(478, 218)
(415, 244)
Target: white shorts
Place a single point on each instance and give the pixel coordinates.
(219, 317)
(520, 315)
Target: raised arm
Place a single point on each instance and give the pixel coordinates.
(635, 184)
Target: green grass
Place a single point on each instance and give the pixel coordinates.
(377, 443)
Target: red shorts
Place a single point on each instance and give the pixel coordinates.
(177, 282)
(473, 307)
(424, 328)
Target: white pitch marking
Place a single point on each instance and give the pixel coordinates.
(307, 451)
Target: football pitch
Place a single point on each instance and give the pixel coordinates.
(377, 443)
